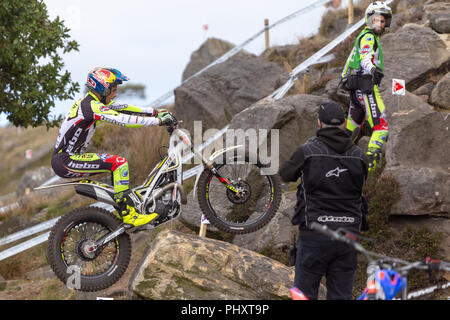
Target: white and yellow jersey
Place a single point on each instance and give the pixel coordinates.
(366, 54)
(80, 122)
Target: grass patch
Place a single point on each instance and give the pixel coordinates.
(17, 266)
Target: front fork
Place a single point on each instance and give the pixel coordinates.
(209, 165)
(107, 238)
(224, 180)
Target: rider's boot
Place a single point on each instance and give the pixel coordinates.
(374, 158)
(127, 210)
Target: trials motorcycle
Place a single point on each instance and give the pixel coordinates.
(232, 192)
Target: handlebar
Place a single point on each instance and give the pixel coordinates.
(174, 125)
(341, 235)
(352, 240)
(427, 264)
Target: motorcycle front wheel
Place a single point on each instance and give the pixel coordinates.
(255, 204)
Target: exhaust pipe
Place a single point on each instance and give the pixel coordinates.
(169, 187)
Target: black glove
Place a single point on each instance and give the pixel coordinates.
(166, 119)
(343, 85)
(377, 75)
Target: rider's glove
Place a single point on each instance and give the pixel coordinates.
(377, 75)
(166, 119)
(343, 85)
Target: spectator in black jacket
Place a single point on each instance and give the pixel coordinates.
(333, 171)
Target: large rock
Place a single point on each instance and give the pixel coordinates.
(304, 126)
(439, 16)
(209, 51)
(181, 266)
(226, 89)
(440, 95)
(294, 118)
(413, 53)
(418, 135)
(424, 191)
(413, 14)
(263, 120)
(417, 155)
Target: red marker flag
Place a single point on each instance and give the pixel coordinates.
(398, 87)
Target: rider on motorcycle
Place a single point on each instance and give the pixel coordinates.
(69, 159)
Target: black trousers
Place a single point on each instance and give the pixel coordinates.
(318, 256)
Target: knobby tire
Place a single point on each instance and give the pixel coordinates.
(230, 227)
(75, 218)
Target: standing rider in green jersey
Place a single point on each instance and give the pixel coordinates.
(362, 75)
(70, 159)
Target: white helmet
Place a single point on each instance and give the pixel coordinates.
(378, 7)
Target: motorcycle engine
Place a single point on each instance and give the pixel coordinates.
(165, 207)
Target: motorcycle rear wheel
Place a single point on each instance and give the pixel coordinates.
(73, 264)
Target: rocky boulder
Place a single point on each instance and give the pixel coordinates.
(438, 14)
(424, 191)
(424, 91)
(226, 89)
(413, 14)
(440, 96)
(294, 117)
(417, 131)
(303, 126)
(209, 51)
(181, 266)
(418, 154)
(413, 53)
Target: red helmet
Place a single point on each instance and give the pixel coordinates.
(101, 80)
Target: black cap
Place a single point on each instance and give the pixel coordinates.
(331, 113)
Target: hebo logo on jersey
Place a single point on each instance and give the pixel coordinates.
(74, 140)
(84, 166)
(373, 106)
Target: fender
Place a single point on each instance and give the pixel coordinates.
(211, 159)
(89, 188)
(76, 183)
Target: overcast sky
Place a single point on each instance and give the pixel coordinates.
(151, 41)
